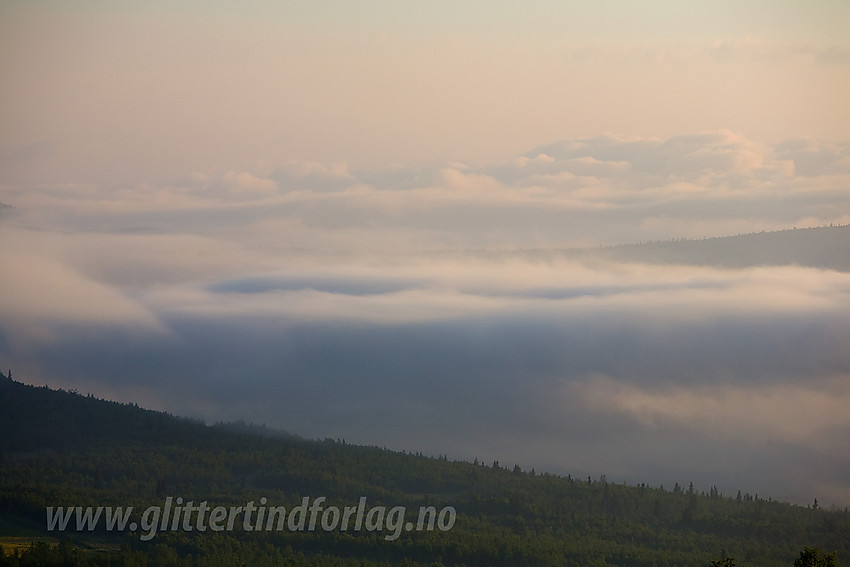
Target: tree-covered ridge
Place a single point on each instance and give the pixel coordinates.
(64, 449)
(824, 247)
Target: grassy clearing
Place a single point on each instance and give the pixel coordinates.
(14, 544)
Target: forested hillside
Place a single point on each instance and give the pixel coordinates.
(61, 448)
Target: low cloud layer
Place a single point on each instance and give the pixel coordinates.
(413, 307)
(603, 190)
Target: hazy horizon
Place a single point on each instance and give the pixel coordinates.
(249, 211)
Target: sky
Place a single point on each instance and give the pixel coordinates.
(339, 219)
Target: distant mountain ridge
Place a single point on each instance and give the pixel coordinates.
(826, 247)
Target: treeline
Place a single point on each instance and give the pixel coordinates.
(65, 449)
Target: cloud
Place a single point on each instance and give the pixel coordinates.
(436, 308)
(41, 297)
(813, 159)
(643, 373)
(692, 156)
(244, 184)
(747, 413)
(757, 431)
(314, 176)
(601, 190)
